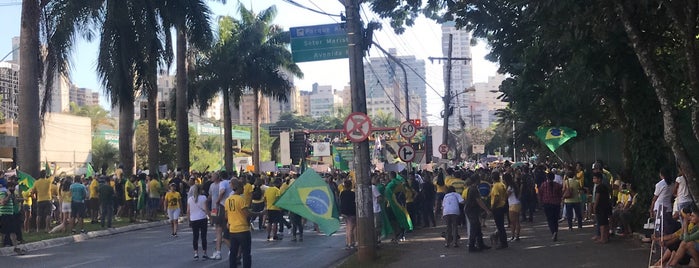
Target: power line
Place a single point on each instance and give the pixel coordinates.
(310, 9)
(378, 81)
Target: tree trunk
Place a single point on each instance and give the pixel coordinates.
(153, 139)
(126, 131)
(256, 133)
(670, 117)
(29, 119)
(227, 132)
(181, 108)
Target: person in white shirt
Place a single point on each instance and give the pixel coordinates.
(196, 213)
(450, 214)
(661, 206)
(681, 191)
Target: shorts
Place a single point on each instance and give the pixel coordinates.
(65, 207)
(43, 208)
(173, 213)
(517, 208)
(7, 224)
(27, 208)
(220, 218)
(77, 210)
(274, 216)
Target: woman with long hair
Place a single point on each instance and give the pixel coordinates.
(348, 209)
(65, 198)
(197, 210)
(515, 206)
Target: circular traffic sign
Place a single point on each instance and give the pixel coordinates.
(407, 130)
(443, 148)
(406, 153)
(357, 127)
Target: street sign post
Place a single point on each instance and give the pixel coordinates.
(357, 127)
(443, 148)
(407, 130)
(319, 42)
(406, 153)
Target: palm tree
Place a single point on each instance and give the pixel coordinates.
(249, 55)
(29, 117)
(130, 52)
(217, 71)
(267, 56)
(190, 18)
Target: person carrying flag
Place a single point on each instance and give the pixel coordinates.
(237, 211)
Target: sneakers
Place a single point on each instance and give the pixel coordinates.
(196, 257)
(555, 237)
(217, 255)
(204, 257)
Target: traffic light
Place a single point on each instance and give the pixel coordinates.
(416, 122)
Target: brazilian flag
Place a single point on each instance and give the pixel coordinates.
(25, 181)
(554, 137)
(398, 210)
(90, 171)
(310, 197)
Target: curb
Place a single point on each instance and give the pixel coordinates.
(9, 251)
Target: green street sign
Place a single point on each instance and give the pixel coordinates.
(318, 42)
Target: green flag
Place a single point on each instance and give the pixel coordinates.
(25, 181)
(90, 171)
(554, 137)
(339, 162)
(310, 197)
(48, 168)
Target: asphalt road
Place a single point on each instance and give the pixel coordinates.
(155, 247)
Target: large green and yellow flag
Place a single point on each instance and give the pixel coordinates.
(25, 181)
(554, 137)
(48, 169)
(310, 197)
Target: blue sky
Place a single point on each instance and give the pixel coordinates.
(422, 40)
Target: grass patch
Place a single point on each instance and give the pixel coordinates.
(384, 257)
(89, 227)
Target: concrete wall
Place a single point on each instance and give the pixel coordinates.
(67, 141)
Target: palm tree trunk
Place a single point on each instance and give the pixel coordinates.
(256, 133)
(29, 119)
(181, 103)
(126, 130)
(227, 132)
(153, 142)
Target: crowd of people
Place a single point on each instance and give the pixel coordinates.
(461, 198)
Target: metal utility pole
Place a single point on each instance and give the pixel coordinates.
(447, 92)
(365, 213)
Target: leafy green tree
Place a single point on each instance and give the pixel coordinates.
(382, 119)
(98, 115)
(167, 145)
(104, 154)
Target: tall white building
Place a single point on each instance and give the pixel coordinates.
(384, 81)
(486, 102)
(461, 72)
(83, 96)
(9, 89)
(324, 101)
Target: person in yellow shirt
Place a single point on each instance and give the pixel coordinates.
(130, 196)
(153, 190)
(237, 212)
(172, 205)
(274, 213)
(93, 205)
(27, 209)
(42, 189)
(498, 198)
(441, 187)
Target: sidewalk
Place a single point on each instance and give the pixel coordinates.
(8, 251)
(425, 248)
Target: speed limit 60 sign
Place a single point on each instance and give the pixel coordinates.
(407, 130)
